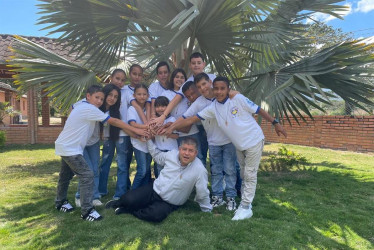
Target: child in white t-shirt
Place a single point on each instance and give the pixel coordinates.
(70, 145)
(163, 142)
(142, 156)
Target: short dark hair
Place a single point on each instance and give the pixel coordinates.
(161, 64)
(200, 77)
(222, 79)
(117, 71)
(187, 85)
(161, 101)
(135, 66)
(94, 89)
(197, 55)
(189, 141)
(173, 75)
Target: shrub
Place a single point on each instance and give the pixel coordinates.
(286, 159)
(2, 138)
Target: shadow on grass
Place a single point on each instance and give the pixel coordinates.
(298, 209)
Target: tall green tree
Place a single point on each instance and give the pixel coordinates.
(259, 45)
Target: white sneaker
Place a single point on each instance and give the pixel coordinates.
(77, 202)
(97, 203)
(242, 213)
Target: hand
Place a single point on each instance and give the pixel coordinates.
(158, 121)
(280, 130)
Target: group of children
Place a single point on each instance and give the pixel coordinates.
(202, 107)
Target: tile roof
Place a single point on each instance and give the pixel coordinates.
(48, 43)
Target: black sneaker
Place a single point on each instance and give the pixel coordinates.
(65, 207)
(112, 204)
(92, 215)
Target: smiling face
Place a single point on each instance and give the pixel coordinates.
(136, 76)
(187, 153)
(178, 81)
(141, 95)
(220, 90)
(96, 98)
(163, 75)
(191, 94)
(111, 98)
(205, 87)
(118, 79)
(197, 65)
(160, 110)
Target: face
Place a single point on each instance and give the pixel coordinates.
(187, 153)
(112, 98)
(136, 76)
(191, 94)
(160, 110)
(118, 79)
(197, 65)
(204, 87)
(178, 80)
(220, 90)
(96, 99)
(163, 74)
(141, 95)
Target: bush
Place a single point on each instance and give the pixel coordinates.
(286, 159)
(2, 139)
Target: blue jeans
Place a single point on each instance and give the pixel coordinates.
(222, 161)
(91, 155)
(203, 143)
(143, 169)
(124, 150)
(199, 152)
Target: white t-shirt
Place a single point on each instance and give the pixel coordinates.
(234, 117)
(95, 137)
(215, 135)
(106, 129)
(155, 90)
(179, 110)
(132, 115)
(126, 97)
(164, 143)
(78, 129)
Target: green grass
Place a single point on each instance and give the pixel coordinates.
(327, 204)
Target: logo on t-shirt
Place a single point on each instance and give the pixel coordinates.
(234, 111)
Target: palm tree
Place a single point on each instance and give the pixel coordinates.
(259, 45)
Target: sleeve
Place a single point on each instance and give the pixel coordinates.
(152, 91)
(192, 110)
(94, 114)
(131, 115)
(247, 104)
(170, 119)
(157, 155)
(202, 191)
(129, 97)
(207, 113)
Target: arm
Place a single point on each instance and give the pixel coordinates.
(157, 155)
(139, 110)
(202, 192)
(181, 123)
(173, 136)
(278, 128)
(153, 110)
(160, 120)
(137, 125)
(148, 112)
(233, 93)
(133, 132)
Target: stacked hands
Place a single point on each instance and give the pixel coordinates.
(154, 127)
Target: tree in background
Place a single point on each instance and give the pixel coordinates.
(262, 46)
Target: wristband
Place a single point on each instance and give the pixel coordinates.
(275, 122)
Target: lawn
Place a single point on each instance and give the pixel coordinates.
(326, 204)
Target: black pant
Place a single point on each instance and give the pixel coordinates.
(145, 204)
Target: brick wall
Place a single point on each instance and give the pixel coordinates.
(335, 132)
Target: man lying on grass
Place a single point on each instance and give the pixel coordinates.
(181, 173)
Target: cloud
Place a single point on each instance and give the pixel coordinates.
(325, 18)
(364, 6)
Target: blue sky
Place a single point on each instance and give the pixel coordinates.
(19, 17)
